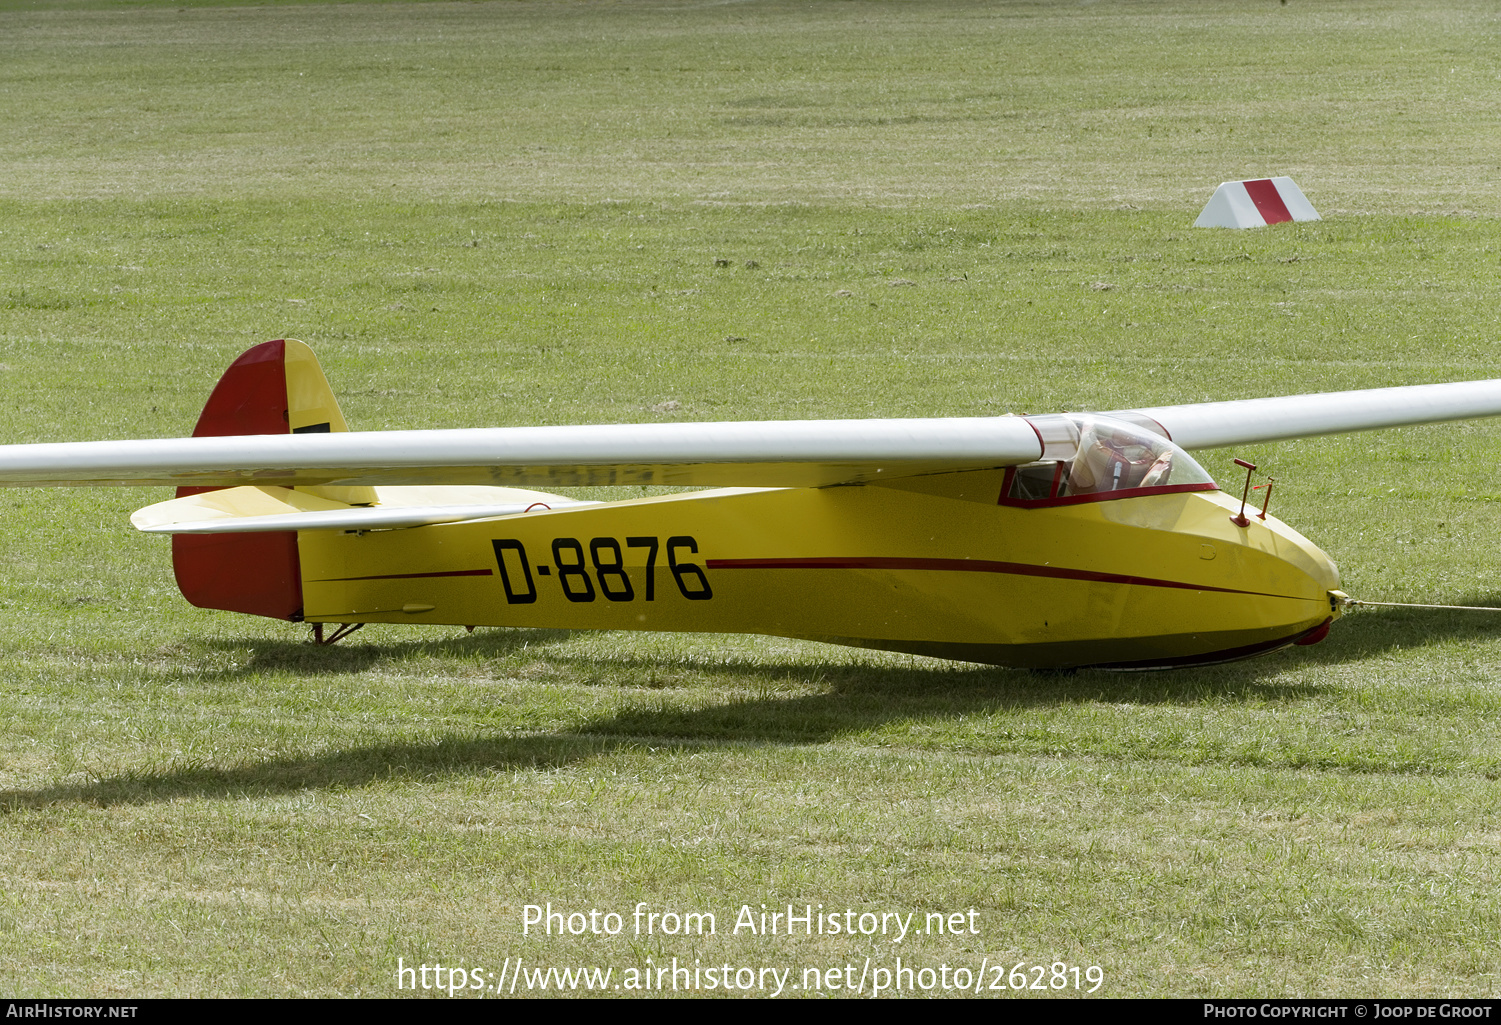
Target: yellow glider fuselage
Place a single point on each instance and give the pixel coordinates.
(928, 565)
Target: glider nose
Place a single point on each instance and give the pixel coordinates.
(1337, 601)
(1302, 571)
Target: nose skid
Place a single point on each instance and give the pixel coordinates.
(1338, 600)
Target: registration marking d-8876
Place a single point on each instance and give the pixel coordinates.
(606, 557)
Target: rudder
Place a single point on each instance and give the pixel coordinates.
(275, 388)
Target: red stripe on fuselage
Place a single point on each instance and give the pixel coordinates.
(413, 576)
(972, 566)
(1224, 655)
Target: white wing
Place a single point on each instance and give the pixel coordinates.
(758, 454)
(1243, 422)
(791, 453)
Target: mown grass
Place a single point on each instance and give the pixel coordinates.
(522, 213)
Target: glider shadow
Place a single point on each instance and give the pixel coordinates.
(851, 699)
(356, 655)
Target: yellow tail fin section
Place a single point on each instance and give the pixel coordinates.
(312, 409)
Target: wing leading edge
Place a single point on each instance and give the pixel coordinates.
(1249, 421)
(793, 453)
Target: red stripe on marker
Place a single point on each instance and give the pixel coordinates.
(1263, 192)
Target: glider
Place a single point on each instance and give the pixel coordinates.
(1032, 541)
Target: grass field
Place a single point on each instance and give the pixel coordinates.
(553, 212)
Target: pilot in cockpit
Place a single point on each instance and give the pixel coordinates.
(1113, 457)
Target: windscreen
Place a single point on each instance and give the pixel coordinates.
(1097, 458)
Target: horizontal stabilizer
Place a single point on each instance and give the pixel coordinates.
(248, 510)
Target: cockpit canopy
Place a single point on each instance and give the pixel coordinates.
(1098, 458)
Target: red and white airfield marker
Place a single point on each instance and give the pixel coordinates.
(1254, 203)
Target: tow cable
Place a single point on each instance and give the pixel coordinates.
(1412, 605)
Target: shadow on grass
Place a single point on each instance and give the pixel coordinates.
(853, 698)
(354, 655)
(1364, 632)
(1361, 634)
(351, 768)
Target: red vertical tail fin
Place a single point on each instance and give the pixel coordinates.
(274, 388)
